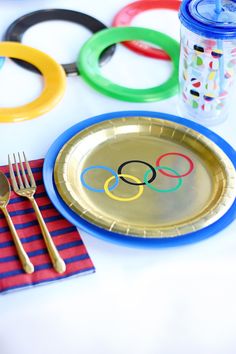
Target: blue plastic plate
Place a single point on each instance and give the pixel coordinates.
(75, 219)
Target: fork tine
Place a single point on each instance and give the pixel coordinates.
(23, 172)
(18, 173)
(30, 174)
(12, 175)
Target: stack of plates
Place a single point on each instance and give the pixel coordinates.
(143, 177)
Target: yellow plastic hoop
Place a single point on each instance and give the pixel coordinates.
(54, 82)
(120, 199)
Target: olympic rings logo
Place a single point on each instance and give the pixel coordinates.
(135, 181)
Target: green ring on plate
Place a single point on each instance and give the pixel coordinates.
(178, 185)
(88, 62)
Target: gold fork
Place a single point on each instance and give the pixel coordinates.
(26, 187)
(5, 191)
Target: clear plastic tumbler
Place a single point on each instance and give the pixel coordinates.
(207, 73)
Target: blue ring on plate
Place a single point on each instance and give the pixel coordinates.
(71, 216)
(102, 168)
(2, 60)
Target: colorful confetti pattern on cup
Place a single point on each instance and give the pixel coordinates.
(207, 75)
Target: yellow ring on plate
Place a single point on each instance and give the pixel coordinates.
(54, 82)
(120, 199)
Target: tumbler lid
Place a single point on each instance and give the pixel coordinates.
(201, 17)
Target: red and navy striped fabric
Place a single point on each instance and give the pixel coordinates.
(64, 234)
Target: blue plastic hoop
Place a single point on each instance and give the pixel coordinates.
(2, 60)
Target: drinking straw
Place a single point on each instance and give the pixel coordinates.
(218, 7)
(218, 10)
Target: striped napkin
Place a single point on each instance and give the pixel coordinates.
(64, 234)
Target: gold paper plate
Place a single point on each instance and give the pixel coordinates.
(204, 196)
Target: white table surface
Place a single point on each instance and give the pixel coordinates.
(143, 301)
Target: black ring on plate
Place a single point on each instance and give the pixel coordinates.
(17, 29)
(119, 171)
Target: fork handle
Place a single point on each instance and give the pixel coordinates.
(24, 259)
(57, 261)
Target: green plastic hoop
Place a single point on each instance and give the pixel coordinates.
(88, 62)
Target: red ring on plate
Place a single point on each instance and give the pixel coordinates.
(126, 15)
(191, 164)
